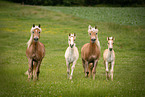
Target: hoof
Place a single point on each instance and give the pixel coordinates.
(70, 77)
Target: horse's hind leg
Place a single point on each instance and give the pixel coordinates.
(30, 70)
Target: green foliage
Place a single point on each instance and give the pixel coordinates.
(15, 24)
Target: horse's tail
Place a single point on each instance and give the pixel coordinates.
(26, 73)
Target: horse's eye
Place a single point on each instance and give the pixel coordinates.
(90, 33)
(33, 32)
(96, 33)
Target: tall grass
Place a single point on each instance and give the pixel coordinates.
(15, 23)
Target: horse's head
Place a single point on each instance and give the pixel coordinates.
(110, 43)
(93, 32)
(71, 39)
(35, 31)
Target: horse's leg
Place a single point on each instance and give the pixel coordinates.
(112, 66)
(94, 68)
(90, 69)
(86, 69)
(34, 68)
(107, 71)
(83, 63)
(72, 69)
(30, 70)
(68, 68)
(37, 70)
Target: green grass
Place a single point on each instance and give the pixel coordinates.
(15, 23)
(119, 15)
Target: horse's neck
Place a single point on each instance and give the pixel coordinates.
(92, 45)
(35, 45)
(110, 53)
(71, 50)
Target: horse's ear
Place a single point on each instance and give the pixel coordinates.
(113, 38)
(89, 27)
(33, 25)
(74, 34)
(107, 38)
(39, 25)
(69, 34)
(96, 27)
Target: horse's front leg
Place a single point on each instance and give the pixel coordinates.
(86, 69)
(107, 71)
(83, 63)
(94, 68)
(112, 67)
(72, 69)
(36, 77)
(68, 68)
(30, 70)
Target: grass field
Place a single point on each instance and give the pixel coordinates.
(129, 73)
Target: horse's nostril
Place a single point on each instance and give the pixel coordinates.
(93, 39)
(36, 39)
(110, 49)
(71, 45)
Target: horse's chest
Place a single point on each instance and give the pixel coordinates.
(36, 55)
(110, 58)
(92, 57)
(71, 57)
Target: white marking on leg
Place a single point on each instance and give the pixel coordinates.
(72, 69)
(112, 67)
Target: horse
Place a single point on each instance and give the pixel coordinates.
(109, 57)
(71, 55)
(35, 52)
(90, 53)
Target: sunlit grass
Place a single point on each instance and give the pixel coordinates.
(15, 24)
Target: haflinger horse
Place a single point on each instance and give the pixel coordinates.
(71, 55)
(90, 52)
(109, 58)
(35, 53)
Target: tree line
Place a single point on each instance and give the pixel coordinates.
(82, 2)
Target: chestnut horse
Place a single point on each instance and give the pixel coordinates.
(109, 58)
(71, 54)
(90, 53)
(35, 53)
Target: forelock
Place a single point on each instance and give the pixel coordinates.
(36, 27)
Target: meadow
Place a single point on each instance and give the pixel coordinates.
(128, 28)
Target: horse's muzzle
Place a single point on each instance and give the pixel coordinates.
(110, 49)
(36, 39)
(71, 45)
(93, 40)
